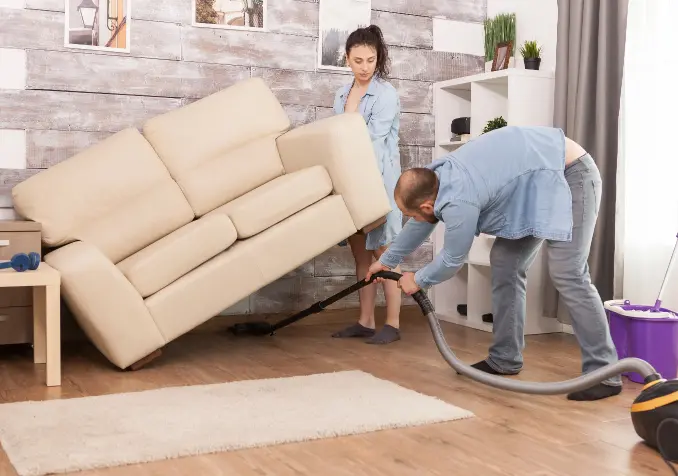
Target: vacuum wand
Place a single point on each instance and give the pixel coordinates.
(261, 328)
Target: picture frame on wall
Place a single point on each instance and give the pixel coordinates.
(248, 15)
(337, 19)
(103, 25)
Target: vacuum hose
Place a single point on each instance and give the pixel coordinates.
(656, 404)
(540, 388)
(654, 409)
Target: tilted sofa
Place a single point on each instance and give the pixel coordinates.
(157, 230)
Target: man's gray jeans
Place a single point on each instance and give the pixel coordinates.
(569, 271)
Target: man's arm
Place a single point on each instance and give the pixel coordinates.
(413, 234)
(461, 220)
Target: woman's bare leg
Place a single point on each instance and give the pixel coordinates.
(391, 330)
(367, 295)
(392, 294)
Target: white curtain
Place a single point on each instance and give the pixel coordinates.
(647, 199)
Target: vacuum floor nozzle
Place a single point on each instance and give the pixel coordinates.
(258, 328)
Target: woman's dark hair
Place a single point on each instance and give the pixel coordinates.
(371, 36)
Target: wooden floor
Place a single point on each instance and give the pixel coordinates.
(512, 434)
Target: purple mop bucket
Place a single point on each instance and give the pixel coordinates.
(641, 332)
(646, 332)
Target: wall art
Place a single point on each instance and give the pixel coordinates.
(338, 18)
(230, 14)
(98, 24)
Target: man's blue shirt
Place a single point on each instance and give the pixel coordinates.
(507, 183)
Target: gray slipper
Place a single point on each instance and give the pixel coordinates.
(355, 330)
(386, 335)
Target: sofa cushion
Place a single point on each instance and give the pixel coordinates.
(208, 130)
(276, 200)
(249, 265)
(169, 258)
(188, 136)
(231, 174)
(116, 195)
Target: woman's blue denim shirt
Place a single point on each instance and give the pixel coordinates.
(380, 107)
(508, 183)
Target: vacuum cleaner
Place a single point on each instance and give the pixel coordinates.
(654, 412)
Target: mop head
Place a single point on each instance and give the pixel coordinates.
(258, 328)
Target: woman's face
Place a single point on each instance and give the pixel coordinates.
(362, 60)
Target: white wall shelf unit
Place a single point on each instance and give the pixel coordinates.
(522, 97)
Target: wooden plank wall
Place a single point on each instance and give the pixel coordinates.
(74, 98)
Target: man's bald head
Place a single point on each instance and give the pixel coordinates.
(415, 187)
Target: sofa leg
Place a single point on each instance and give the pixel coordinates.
(142, 362)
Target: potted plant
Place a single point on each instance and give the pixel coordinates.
(531, 54)
(500, 29)
(489, 42)
(496, 123)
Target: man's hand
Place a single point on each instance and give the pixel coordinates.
(375, 268)
(408, 284)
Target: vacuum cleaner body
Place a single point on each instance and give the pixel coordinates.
(658, 402)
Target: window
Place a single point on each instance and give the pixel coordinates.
(648, 154)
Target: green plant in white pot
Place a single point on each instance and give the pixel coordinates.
(531, 54)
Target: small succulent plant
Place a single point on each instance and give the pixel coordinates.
(530, 49)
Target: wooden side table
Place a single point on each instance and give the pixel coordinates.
(16, 303)
(46, 284)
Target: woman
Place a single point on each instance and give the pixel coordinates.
(377, 101)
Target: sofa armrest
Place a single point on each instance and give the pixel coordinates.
(106, 305)
(342, 145)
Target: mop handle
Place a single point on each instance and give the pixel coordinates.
(658, 303)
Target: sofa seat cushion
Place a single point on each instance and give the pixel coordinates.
(174, 255)
(276, 200)
(248, 266)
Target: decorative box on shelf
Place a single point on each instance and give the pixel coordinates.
(521, 97)
(16, 303)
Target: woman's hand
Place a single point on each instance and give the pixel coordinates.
(408, 284)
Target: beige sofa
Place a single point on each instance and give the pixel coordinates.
(155, 232)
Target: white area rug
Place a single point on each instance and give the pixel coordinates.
(57, 436)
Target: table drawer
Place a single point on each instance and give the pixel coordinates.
(13, 242)
(16, 296)
(16, 325)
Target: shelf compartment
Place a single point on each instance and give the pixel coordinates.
(479, 254)
(479, 296)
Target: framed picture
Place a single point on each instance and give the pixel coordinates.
(502, 55)
(98, 25)
(337, 19)
(230, 14)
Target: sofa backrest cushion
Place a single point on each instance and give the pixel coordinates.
(231, 174)
(116, 195)
(217, 135)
